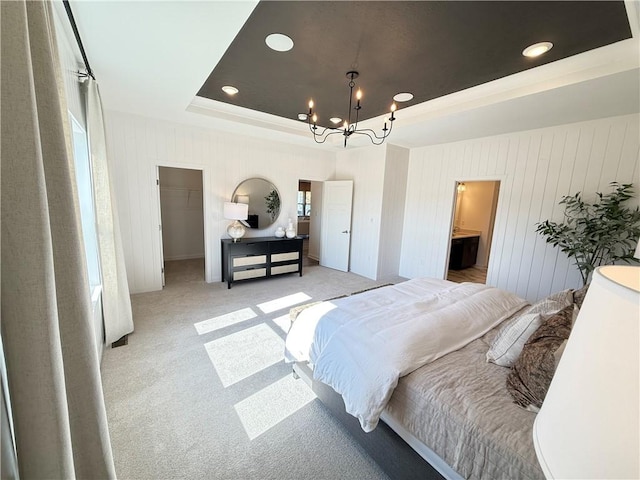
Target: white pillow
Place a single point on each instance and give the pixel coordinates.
(508, 344)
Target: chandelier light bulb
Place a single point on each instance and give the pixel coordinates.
(315, 118)
(393, 107)
(358, 94)
(310, 104)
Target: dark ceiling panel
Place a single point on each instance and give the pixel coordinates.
(427, 48)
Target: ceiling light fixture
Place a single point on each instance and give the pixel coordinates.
(349, 128)
(403, 97)
(279, 42)
(229, 90)
(335, 120)
(537, 49)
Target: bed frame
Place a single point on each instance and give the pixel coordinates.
(394, 456)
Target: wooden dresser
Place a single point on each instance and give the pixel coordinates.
(262, 257)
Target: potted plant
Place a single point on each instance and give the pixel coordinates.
(599, 233)
(273, 204)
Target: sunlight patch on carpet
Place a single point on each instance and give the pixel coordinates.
(242, 354)
(284, 322)
(271, 405)
(225, 320)
(283, 302)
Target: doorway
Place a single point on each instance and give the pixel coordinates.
(182, 225)
(308, 222)
(474, 215)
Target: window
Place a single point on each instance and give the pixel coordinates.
(87, 206)
(304, 203)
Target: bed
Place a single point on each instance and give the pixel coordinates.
(378, 356)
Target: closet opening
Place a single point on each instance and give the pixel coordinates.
(181, 225)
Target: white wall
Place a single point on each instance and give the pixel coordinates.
(536, 169)
(365, 166)
(138, 144)
(182, 213)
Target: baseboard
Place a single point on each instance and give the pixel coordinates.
(183, 257)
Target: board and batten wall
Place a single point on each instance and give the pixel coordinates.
(536, 168)
(137, 145)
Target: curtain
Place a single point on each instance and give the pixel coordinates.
(52, 365)
(116, 303)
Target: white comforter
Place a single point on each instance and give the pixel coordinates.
(361, 345)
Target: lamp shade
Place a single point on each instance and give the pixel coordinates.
(588, 426)
(236, 211)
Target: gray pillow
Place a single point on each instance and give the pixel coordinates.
(532, 372)
(507, 345)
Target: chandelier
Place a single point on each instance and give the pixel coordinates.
(350, 127)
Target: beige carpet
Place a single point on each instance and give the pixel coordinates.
(201, 390)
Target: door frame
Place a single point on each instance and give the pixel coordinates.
(454, 195)
(206, 181)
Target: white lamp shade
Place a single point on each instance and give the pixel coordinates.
(236, 211)
(588, 426)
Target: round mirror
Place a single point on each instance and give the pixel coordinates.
(263, 199)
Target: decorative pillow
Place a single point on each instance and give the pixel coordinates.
(578, 295)
(532, 372)
(508, 344)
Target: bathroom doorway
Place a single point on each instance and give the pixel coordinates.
(308, 221)
(472, 230)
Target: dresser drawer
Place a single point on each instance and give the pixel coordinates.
(242, 248)
(249, 260)
(253, 273)
(284, 269)
(283, 257)
(283, 246)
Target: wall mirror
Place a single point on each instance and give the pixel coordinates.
(263, 199)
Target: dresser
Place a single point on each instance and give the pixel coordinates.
(262, 257)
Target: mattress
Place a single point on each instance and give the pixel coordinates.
(459, 406)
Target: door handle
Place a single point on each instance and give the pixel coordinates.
(345, 231)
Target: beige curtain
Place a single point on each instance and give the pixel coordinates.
(52, 365)
(116, 303)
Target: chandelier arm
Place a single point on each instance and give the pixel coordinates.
(384, 135)
(323, 136)
(373, 137)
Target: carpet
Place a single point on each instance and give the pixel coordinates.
(201, 390)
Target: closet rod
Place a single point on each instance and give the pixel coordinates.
(74, 27)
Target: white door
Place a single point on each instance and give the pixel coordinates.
(336, 224)
(160, 223)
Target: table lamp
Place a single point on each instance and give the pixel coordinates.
(588, 426)
(235, 212)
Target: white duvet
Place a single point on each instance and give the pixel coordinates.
(361, 345)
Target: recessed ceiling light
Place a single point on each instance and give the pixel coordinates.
(537, 49)
(229, 90)
(403, 97)
(279, 42)
(335, 120)
(302, 116)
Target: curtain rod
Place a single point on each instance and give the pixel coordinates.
(74, 27)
